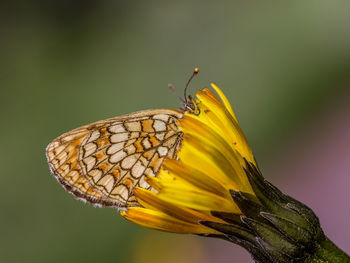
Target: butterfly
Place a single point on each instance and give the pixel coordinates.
(101, 163)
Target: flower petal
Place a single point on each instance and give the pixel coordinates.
(218, 117)
(211, 137)
(150, 200)
(161, 221)
(212, 161)
(195, 177)
(200, 200)
(188, 196)
(224, 100)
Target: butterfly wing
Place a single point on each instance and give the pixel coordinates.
(102, 162)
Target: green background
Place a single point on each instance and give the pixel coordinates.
(283, 64)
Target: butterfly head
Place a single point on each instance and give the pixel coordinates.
(190, 106)
(189, 103)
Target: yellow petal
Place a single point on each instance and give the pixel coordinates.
(218, 117)
(209, 136)
(195, 177)
(166, 179)
(150, 200)
(161, 221)
(199, 200)
(212, 162)
(224, 100)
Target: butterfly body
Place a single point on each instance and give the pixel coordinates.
(102, 162)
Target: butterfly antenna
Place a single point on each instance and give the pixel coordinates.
(195, 72)
(171, 87)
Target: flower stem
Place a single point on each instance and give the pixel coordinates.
(327, 251)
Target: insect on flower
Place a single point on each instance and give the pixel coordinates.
(103, 162)
(190, 171)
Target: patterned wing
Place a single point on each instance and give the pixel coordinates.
(102, 162)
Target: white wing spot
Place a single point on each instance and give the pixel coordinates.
(162, 151)
(129, 161)
(94, 136)
(89, 149)
(162, 117)
(95, 174)
(115, 147)
(119, 137)
(107, 181)
(146, 143)
(143, 183)
(160, 136)
(89, 162)
(122, 191)
(159, 125)
(130, 149)
(138, 169)
(118, 128)
(117, 157)
(149, 172)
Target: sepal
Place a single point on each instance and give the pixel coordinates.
(273, 226)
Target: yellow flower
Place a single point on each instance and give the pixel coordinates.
(211, 162)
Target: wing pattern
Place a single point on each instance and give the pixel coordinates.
(102, 162)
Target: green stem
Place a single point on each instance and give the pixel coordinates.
(327, 251)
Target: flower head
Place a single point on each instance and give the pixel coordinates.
(210, 163)
(215, 189)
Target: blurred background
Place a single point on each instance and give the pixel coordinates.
(285, 67)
